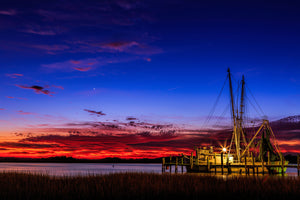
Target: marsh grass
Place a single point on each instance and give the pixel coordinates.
(145, 186)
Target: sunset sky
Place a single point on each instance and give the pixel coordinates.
(135, 79)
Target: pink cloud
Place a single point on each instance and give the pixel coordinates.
(52, 49)
(2, 108)
(95, 62)
(21, 112)
(120, 45)
(40, 32)
(10, 97)
(37, 89)
(72, 65)
(58, 86)
(21, 98)
(14, 75)
(127, 46)
(75, 62)
(8, 12)
(82, 69)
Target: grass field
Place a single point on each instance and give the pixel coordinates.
(146, 186)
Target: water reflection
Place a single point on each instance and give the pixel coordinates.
(83, 169)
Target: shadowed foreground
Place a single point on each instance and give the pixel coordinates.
(146, 186)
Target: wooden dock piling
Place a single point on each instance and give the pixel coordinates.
(282, 164)
(253, 164)
(163, 167)
(228, 166)
(222, 166)
(182, 164)
(192, 160)
(215, 163)
(298, 164)
(170, 164)
(176, 165)
(246, 170)
(263, 166)
(208, 164)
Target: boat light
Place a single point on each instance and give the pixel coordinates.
(224, 149)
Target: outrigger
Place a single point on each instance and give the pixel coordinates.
(258, 153)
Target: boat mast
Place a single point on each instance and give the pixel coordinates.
(242, 106)
(242, 111)
(235, 133)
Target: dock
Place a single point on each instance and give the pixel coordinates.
(247, 168)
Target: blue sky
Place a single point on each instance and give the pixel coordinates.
(147, 57)
(158, 61)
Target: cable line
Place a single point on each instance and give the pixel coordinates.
(214, 106)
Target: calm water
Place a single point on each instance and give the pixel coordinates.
(72, 169)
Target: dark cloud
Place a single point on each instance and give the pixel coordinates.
(126, 126)
(98, 113)
(23, 134)
(37, 89)
(19, 134)
(119, 139)
(131, 118)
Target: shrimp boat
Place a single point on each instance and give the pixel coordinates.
(261, 150)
